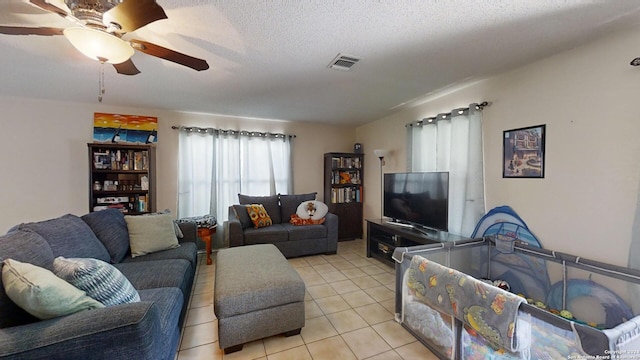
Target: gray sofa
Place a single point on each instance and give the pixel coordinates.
(290, 239)
(149, 329)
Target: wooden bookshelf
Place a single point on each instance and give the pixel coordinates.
(122, 176)
(344, 191)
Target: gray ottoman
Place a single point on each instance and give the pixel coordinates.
(256, 294)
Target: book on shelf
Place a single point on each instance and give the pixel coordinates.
(141, 204)
(137, 160)
(346, 162)
(346, 195)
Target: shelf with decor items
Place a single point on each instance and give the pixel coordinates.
(122, 176)
(344, 191)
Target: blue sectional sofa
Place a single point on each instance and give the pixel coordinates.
(149, 329)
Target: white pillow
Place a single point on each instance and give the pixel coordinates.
(41, 293)
(151, 233)
(101, 281)
(321, 209)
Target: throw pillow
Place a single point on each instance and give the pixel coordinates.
(315, 210)
(259, 216)
(41, 293)
(176, 227)
(151, 233)
(100, 280)
(243, 215)
(111, 229)
(296, 220)
(289, 203)
(270, 203)
(21, 245)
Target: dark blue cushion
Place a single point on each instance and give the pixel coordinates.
(169, 302)
(24, 246)
(158, 274)
(69, 236)
(152, 274)
(186, 251)
(145, 330)
(111, 229)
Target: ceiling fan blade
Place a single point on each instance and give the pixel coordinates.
(17, 30)
(168, 54)
(134, 14)
(126, 68)
(43, 4)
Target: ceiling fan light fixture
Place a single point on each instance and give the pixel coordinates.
(99, 45)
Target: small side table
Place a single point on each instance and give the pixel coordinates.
(207, 225)
(205, 234)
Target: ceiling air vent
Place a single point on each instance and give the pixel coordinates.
(343, 62)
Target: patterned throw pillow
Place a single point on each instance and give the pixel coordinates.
(100, 280)
(41, 293)
(259, 216)
(296, 220)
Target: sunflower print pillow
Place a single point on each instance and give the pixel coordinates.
(259, 216)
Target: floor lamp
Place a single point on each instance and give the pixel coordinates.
(381, 153)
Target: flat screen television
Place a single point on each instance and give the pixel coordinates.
(418, 198)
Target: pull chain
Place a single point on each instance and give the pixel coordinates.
(101, 81)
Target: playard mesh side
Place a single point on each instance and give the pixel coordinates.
(597, 318)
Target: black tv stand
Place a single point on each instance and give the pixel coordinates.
(423, 229)
(384, 236)
(398, 223)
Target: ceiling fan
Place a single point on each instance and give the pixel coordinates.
(99, 27)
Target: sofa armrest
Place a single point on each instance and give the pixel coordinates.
(234, 229)
(331, 222)
(189, 230)
(126, 331)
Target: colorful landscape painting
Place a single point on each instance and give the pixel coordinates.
(125, 128)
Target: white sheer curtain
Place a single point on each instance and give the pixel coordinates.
(214, 166)
(453, 142)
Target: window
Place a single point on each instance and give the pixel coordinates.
(217, 165)
(453, 142)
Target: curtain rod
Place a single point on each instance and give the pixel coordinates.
(446, 116)
(230, 132)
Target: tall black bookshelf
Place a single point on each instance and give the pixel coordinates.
(344, 191)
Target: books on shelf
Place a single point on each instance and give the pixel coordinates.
(346, 194)
(108, 159)
(343, 162)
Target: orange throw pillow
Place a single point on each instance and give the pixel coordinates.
(296, 220)
(259, 216)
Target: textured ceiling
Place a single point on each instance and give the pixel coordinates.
(268, 59)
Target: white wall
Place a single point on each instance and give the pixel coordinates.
(44, 158)
(586, 96)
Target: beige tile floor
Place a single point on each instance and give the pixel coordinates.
(349, 308)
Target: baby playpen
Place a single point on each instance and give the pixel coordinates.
(558, 306)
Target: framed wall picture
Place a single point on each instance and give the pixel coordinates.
(523, 152)
(118, 128)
